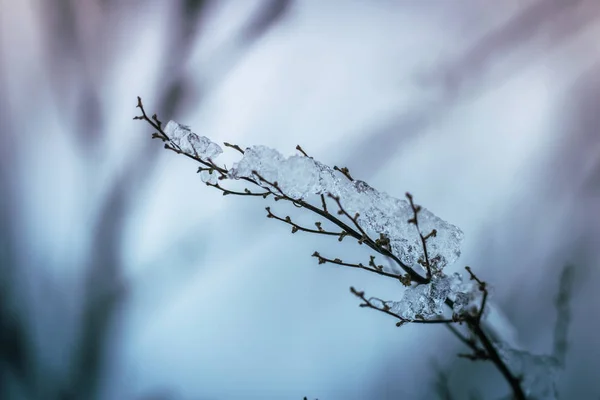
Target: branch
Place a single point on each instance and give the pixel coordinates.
(354, 219)
(368, 303)
(380, 245)
(404, 279)
(415, 220)
(296, 227)
(344, 171)
(246, 191)
(234, 146)
(361, 237)
(483, 289)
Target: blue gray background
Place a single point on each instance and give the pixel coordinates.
(123, 277)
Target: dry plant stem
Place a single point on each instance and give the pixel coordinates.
(483, 289)
(156, 124)
(415, 220)
(244, 193)
(302, 151)
(368, 303)
(514, 382)
(234, 146)
(474, 325)
(342, 211)
(323, 203)
(415, 277)
(296, 227)
(473, 322)
(344, 171)
(323, 260)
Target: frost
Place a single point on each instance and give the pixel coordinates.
(258, 158)
(465, 295)
(300, 176)
(176, 131)
(538, 372)
(423, 301)
(190, 143)
(427, 300)
(204, 147)
(209, 177)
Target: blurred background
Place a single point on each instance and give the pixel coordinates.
(122, 276)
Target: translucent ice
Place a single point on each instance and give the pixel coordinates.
(465, 295)
(190, 143)
(176, 131)
(299, 176)
(203, 147)
(423, 301)
(209, 177)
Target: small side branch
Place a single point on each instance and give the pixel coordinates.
(296, 227)
(404, 279)
(370, 303)
(415, 220)
(302, 151)
(234, 146)
(354, 219)
(169, 144)
(246, 191)
(344, 171)
(483, 289)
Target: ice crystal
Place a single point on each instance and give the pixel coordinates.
(423, 301)
(190, 143)
(379, 213)
(465, 295)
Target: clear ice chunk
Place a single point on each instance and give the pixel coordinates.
(423, 301)
(300, 176)
(465, 295)
(209, 177)
(190, 143)
(176, 131)
(203, 147)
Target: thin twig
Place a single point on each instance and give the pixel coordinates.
(415, 220)
(246, 191)
(323, 260)
(362, 237)
(365, 237)
(234, 146)
(296, 227)
(483, 289)
(302, 151)
(344, 171)
(323, 203)
(368, 303)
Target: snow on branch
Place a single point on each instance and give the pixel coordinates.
(378, 213)
(299, 177)
(420, 243)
